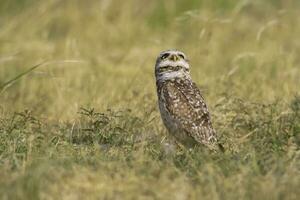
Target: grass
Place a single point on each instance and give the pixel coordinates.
(85, 123)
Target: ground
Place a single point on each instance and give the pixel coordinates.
(78, 108)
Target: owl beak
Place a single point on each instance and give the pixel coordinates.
(174, 58)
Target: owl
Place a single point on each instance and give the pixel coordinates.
(181, 104)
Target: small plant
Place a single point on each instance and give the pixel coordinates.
(110, 127)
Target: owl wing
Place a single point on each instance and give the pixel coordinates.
(186, 104)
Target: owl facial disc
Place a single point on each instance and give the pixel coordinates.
(171, 64)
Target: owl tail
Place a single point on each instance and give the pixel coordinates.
(216, 145)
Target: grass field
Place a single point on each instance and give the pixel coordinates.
(78, 108)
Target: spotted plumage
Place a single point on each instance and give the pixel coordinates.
(182, 107)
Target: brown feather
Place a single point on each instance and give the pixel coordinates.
(184, 102)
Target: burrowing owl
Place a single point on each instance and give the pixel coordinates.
(182, 107)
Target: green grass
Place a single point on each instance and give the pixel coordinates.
(85, 124)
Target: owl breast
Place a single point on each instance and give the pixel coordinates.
(174, 122)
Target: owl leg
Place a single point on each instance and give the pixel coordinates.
(168, 145)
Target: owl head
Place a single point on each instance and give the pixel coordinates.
(171, 64)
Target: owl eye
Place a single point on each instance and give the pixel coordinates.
(165, 55)
(181, 56)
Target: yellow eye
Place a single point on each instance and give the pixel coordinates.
(165, 55)
(181, 56)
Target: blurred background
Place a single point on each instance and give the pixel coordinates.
(78, 105)
(102, 52)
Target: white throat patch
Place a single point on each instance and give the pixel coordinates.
(171, 75)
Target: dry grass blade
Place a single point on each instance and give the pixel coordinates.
(5, 85)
